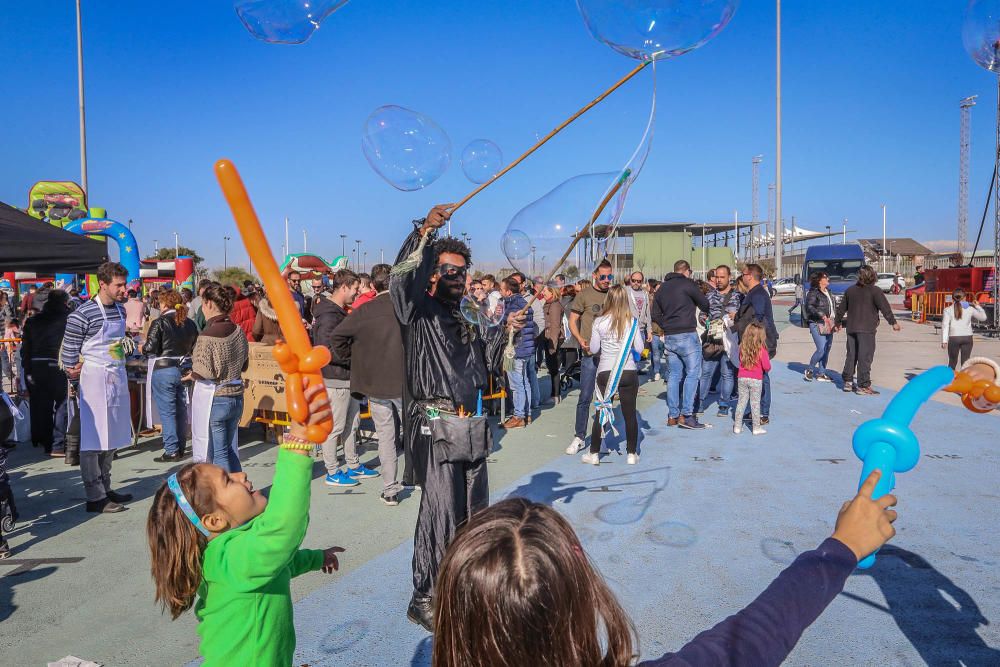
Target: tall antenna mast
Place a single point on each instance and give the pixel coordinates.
(963, 172)
(757, 159)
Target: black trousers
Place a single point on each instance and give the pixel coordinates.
(47, 399)
(451, 492)
(860, 353)
(552, 364)
(628, 390)
(959, 346)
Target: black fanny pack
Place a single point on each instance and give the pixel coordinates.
(461, 439)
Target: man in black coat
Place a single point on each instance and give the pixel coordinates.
(756, 305)
(370, 345)
(861, 306)
(47, 384)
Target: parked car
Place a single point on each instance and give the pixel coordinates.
(885, 281)
(784, 286)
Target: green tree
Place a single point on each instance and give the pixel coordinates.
(168, 253)
(233, 275)
(572, 272)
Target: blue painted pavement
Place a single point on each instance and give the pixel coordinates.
(707, 519)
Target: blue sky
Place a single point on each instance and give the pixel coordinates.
(871, 95)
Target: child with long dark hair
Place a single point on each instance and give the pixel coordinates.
(226, 549)
(516, 588)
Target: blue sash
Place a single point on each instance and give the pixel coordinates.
(603, 399)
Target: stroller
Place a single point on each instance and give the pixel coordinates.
(8, 510)
(569, 375)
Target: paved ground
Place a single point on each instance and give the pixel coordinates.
(689, 535)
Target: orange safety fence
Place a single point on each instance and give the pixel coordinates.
(932, 305)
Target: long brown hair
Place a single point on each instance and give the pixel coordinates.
(175, 545)
(754, 338)
(515, 588)
(616, 304)
(172, 301)
(957, 296)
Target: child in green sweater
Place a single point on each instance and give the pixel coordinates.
(214, 538)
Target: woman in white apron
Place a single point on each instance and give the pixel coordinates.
(221, 356)
(169, 344)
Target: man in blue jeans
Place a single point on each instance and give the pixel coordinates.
(586, 307)
(524, 352)
(678, 301)
(722, 299)
(756, 305)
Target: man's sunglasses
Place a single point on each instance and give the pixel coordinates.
(605, 279)
(452, 271)
(635, 280)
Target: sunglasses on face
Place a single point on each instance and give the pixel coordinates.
(451, 271)
(605, 279)
(295, 281)
(635, 280)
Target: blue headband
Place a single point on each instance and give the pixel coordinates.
(183, 503)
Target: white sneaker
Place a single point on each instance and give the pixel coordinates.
(632, 459)
(656, 378)
(575, 446)
(737, 429)
(592, 459)
(758, 431)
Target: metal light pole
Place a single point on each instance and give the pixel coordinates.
(829, 237)
(177, 247)
(381, 256)
(364, 262)
(343, 246)
(156, 247)
(225, 253)
(883, 238)
(755, 204)
(305, 242)
(532, 260)
(288, 248)
(845, 230)
(83, 114)
(357, 254)
(779, 225)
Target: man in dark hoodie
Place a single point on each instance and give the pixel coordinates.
(370, 345)
(329, 312)
(47, 386)
(677, 301)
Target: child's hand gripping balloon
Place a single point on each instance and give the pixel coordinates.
(314, 401)
(863, 524)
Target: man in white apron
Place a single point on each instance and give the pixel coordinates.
(93, 351)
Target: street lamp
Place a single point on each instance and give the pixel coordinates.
(845, 230)
(364, 261)
(829, 239)
(343, 247)
(225, 253)
(177, 247)
(357, 258)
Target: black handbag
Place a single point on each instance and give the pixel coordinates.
(461, 439)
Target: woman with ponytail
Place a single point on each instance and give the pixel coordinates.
(956, 327)
(168, 348)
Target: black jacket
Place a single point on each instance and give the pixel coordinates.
(860, 306)
(327, 316)
(369, 344)
(817, 305)
(676, 302)
(42, 336)
(166, 339)
(756, 305)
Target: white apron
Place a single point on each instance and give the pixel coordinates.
(105, 412)
(152, 413)
(201, 418)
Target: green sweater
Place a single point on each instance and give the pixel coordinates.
(244, 606)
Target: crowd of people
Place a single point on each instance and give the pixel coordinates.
(401, 341)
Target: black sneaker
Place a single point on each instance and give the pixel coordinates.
(116, 497)
(848, 387)
(104, 506)
(392, 499)
(691, 422)
(421, 611)
(168, 458)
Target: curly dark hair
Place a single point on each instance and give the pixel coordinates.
(450, 244)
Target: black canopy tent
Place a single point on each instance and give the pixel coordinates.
(28, 244)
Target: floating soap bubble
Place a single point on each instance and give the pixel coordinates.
(656, 29)
(481, 160)
(539, 234)
(981, 33)
(285, 21)
(479, 312)
(409, 150)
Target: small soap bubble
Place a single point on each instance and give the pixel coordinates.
(656, 29)
(981, 33)
(478, 312)
(285, 21)
(481, 160)
(408, 149)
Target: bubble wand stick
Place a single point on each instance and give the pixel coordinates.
(297, 358)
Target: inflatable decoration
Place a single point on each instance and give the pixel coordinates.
(311, 265)
(128, 251)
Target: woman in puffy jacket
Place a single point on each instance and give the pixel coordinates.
(244, 314)
(169, 343)
(819, 313)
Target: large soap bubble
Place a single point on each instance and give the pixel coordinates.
(656, 29)
(981, 33)
(540, 233)
(285, 21)
(481, 160)
(409, 150)
(479, 313)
